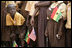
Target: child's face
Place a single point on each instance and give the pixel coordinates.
(12, 10)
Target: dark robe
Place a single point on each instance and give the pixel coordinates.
(52, 29)
(68, 38)
(5, 31)
(42, 21)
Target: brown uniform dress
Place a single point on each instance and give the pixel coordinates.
(5, 32)
(3, 21)
(54, 28)
(42, 23)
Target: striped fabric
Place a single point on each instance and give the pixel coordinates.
(56, 14)
(27, 39)
(15, 44)
(32, 35)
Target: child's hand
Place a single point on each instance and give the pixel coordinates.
(58, 36)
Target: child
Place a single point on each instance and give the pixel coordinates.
(14, 20)
(55, 30)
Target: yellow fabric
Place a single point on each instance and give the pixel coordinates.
(18, 19)
(30, 6)
(63, 10)
(10, 2)
(68, 24)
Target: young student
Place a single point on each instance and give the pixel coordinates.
(55, 30)
(14, 20)
(68, 25)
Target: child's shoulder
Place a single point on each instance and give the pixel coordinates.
(7, 15)
(18, 14)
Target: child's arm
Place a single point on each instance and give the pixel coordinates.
(60, 29)
(32, 19)
(36, 10)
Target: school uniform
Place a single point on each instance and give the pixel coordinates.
(15, 25)
(42, 22)
(54, 28)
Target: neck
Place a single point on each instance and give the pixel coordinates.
(12, 16)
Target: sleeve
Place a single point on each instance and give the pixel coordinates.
(61, 27)
(63, 11)
(67, 10)
(28, 6)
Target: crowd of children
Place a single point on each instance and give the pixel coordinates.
(51, 21)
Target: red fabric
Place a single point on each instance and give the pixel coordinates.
(53, 13)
